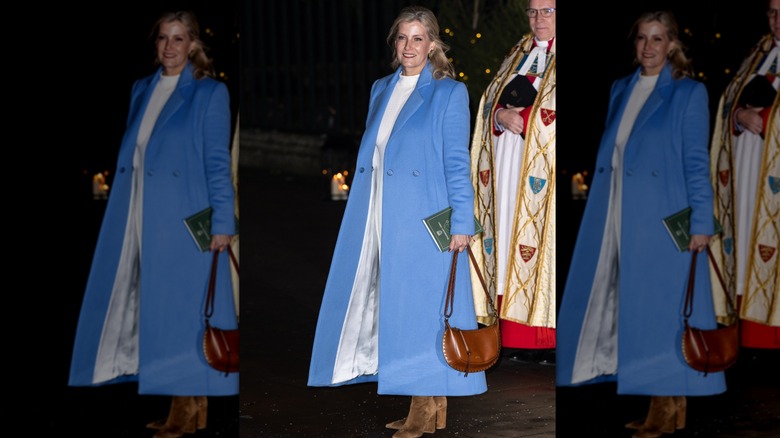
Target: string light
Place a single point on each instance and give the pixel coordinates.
(479, 35)
(487, 71)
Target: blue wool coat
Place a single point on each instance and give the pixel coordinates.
(187, 168)
(426, 169)
(666, 168)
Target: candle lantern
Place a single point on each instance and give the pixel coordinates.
(338, 186)
(99, 186)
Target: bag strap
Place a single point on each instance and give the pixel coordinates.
(209, 310)
(448, 304)
(688, 307)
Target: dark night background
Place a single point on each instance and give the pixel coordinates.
(87, 60)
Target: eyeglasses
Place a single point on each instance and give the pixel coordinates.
(544, 12)
(772, 13)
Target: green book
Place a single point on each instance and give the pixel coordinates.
(679, 224)
(199, 226)
(438, 226)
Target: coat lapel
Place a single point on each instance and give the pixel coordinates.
(656, 98)
(378, 106)
(621, 101)
(420, 93)
(178, 97)
(138, 109)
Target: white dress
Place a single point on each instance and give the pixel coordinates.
(597, 346)
(358, 352)
(118, 349)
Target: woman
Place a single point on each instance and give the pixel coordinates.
(745, 158)
(142, 315)
(513, 159)
(624, 295)
(381, 318)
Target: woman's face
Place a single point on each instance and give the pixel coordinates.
(412, 46)
(652, 47)
(173, 47)
(774, 17)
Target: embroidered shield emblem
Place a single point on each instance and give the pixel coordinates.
(548, 116)
(766, 252)
(728, 244)
(724, 177)
(488, 244)
(527, 252)
(774, 184)
(537, 184)
(484, 176)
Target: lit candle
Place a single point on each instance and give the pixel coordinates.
(338, 188)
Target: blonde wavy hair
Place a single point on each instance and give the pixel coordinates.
(442, 67)
(681, 65)
(201, 63)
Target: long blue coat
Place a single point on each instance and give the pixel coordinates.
(187, 168)
(426, 166)
(666, 168)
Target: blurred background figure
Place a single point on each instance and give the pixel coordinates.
(745, 160)
(623, 299)
(142, 314)
(513, 173)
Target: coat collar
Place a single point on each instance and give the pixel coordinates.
(660, 93)
(420, 94)
(179, 95)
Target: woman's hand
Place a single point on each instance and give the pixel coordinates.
(698, 242)
(750, 119)
(510, 119)
(459, 242)
(220, 242)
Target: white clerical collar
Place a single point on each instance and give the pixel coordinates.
(539, 55)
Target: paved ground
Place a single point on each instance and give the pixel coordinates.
(289, 227)
(294, 228)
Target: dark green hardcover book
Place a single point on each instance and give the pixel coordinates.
(199, 226)
(679, 224)
(438, 226)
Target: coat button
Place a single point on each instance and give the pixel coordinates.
(416, 173)
(629, 172)
(176, 173)
(655, 173)
(362, 169)
(390, 172)
(601, 170)
(150, 172)
(122, 169)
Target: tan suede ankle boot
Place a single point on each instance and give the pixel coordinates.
(421, 419)
(441, 412)
(660, 418)
(183, 418)
(681, 405)
(441, 416)
(202, 402)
